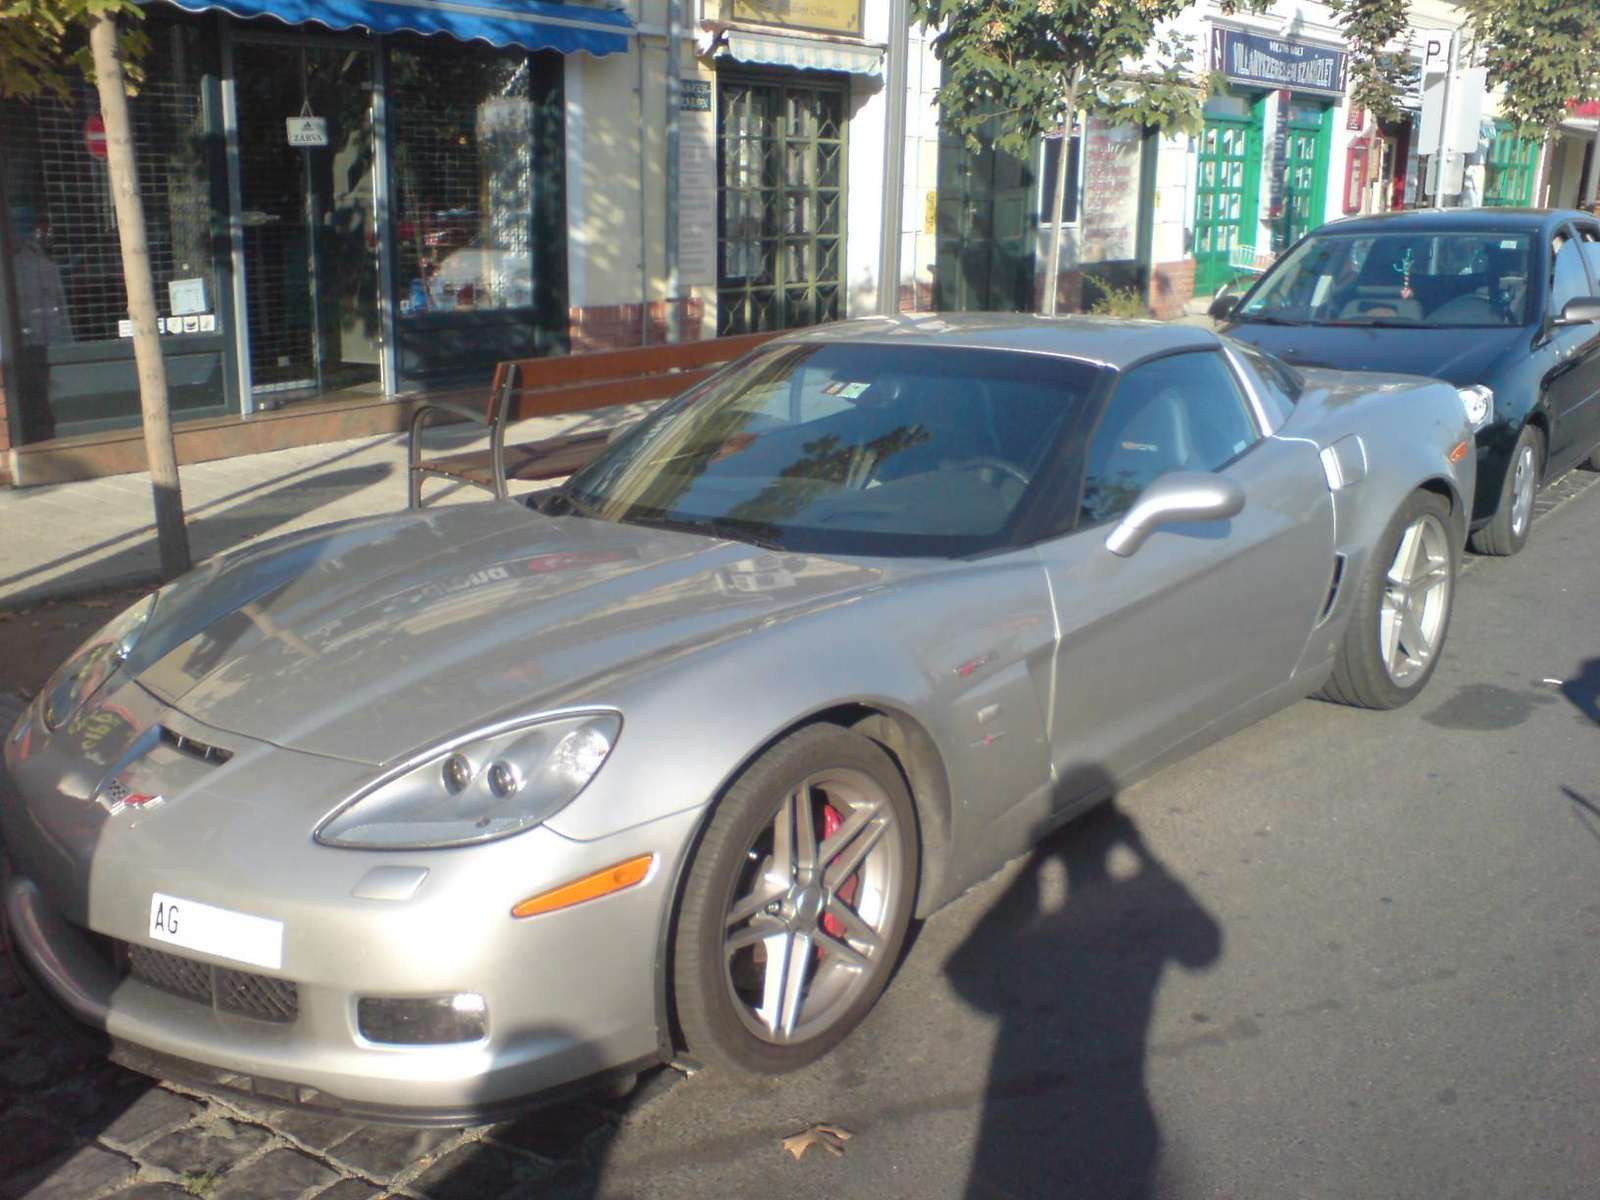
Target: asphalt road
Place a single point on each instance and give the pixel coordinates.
(1341, 954)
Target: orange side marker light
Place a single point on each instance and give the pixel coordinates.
(590, 887)
(1460, 451)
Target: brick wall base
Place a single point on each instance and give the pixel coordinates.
(1171, 287)
(619, 326)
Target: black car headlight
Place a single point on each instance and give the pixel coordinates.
(478, 788)
(1479, 403)
(82, 675)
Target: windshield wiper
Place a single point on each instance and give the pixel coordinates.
(1386, 322)
(710, 526)
(1264, 319)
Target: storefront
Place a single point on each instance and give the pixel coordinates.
(342, 199)
(1262, 165)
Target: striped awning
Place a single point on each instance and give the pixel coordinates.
(804, 54)
(531, 24)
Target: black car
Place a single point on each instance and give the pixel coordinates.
(1502, 303)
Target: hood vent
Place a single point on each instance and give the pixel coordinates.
(190, 748)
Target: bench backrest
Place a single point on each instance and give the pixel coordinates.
(568, 383)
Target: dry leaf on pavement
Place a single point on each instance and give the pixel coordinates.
(830, 1137)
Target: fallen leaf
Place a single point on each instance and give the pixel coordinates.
(830, 1137)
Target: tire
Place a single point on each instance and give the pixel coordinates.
(1401, 610)
(1507, 532)
(754, 891)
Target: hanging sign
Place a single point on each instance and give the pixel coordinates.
(1252, 58)
(307, 130)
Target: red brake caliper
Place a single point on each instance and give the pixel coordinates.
(831, 823)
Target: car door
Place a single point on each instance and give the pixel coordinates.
(1203, 619)
(1572, 381)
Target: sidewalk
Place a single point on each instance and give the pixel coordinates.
(74, 538)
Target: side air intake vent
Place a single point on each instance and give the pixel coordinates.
(1333, 588)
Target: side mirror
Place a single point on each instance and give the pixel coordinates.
(1223, 303)
(1183, 497)
(1585, 310)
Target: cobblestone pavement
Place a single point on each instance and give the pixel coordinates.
(75, 1127)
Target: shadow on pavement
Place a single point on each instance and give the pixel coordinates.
(1069, 960)
(1584, 690)
(213, 527)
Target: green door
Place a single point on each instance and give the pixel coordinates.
(1305, 182)
(1508, 181)
(1225, 194)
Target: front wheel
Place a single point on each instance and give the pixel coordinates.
(1401, 610)
(796, 903)
(1507, 532)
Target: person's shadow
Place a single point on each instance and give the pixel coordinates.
(1069, 960)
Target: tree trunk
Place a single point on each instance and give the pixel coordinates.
(172, 539)
(1053, 274)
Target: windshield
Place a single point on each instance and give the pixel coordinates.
(1444, 280)
(847, 448)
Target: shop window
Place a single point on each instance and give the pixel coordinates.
(477, 168)
(63, 251)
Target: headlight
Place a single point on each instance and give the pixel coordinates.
(1479, 403)
(81, 675)
(478, 788)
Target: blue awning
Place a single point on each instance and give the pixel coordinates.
(531, 24)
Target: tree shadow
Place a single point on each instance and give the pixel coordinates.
(1070, 960)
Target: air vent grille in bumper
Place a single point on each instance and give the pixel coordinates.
(243, 992)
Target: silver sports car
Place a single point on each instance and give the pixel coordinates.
(415, 817)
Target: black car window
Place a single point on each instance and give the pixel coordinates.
(1184, 412)
(1568, 278)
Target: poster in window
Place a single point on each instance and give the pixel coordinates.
(1109, 220)
(830, 16)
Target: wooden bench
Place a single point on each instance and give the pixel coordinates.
(554, 386)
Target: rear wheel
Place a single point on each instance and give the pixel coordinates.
(1507, 533)
(1401, 609)
(796, 903)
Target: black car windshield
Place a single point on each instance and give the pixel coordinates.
(847, 448)
(1450, 279)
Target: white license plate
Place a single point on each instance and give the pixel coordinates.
(218, 931)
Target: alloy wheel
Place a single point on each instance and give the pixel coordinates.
(808, 929)
(1416, 600)
(1522, 489)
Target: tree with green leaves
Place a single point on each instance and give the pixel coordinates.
(1545, 54)
(42, 44)
(1378, 69)
(1030, 66)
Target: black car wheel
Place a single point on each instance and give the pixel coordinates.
(1401, 610)
(796, 903)
(1507, 532)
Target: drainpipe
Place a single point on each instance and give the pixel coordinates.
(894, 159)
(674, 102)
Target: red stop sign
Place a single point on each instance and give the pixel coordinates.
(94, 136)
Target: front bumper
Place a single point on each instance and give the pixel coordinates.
(570, 995)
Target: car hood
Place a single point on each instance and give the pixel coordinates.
(374, 639)
(1458, 356)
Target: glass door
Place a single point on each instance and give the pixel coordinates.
(309, 218)
(1306, 172)
(780, 224)
(1225, 189)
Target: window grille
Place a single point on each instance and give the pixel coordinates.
(58, 190)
